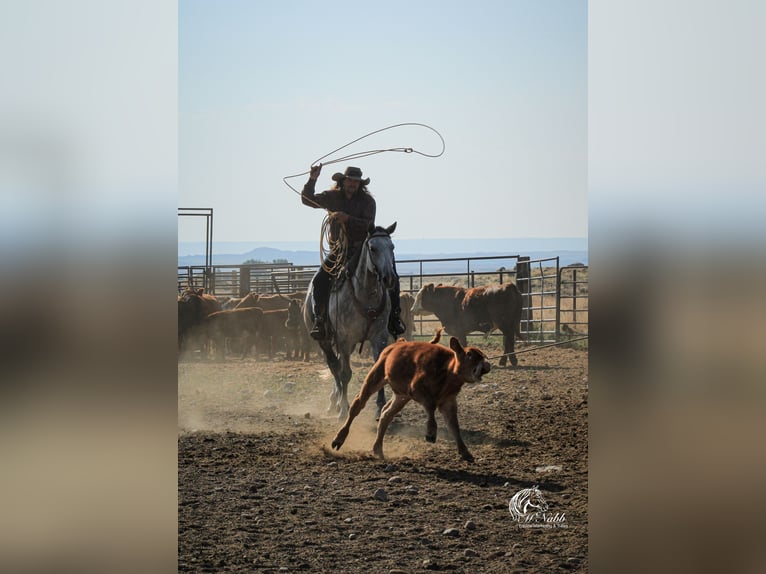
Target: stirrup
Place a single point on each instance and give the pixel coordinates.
(396, 326)
(318, 331)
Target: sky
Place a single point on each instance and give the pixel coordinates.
(267, 88)
(96, 153)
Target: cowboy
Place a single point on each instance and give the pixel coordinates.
(351, 206)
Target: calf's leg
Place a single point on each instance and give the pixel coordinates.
(372, 383)
(386, 416)
(448, 409)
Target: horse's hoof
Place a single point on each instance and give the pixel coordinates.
(502, 361)
(514, 361)
(430, 438)
(467, 456)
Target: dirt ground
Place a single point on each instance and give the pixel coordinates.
(260, 490)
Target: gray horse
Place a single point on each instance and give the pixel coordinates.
(358, 311)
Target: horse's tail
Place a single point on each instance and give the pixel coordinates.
(437, 336)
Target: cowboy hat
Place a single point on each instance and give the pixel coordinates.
(351, 173)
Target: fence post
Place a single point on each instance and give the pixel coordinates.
(244, 280)
(523, 282)
(559, 275)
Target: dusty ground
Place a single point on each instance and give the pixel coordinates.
(260, 490)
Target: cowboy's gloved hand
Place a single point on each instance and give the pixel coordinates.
(341, 216)
(315, 171)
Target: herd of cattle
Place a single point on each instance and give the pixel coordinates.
(269, 324)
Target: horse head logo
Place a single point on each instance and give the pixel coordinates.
(527, 501)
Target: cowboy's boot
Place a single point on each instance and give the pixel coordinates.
(318, 330)
(395, 325)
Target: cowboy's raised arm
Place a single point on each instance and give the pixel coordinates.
(307, 194)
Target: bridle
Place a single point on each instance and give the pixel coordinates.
(370, 313)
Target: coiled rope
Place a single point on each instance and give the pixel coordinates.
(339, 246)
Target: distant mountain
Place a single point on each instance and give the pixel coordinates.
(302, 258)
(265, 254)
(430, 247)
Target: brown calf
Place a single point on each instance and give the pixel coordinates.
(194, 305)
(273, 330)
(269, 302)
(242, 324)
(431, 374)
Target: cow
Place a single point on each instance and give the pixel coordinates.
(230, 303)
(406, 301)
(298, 334)
(462, 311)
(241, 324)
(194, 305)
(273, 331)
(430, 374)
(269, 302)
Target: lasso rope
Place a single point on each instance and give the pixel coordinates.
(538, 347)
(339, 246)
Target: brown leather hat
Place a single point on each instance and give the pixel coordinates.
(351, 173)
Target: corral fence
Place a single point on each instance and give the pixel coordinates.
(555, 298)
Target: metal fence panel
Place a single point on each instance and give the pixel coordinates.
(555, 300)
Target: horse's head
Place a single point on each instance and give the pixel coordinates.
(536, 499)
(380, 254)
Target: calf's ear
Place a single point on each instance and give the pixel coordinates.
(455, 345)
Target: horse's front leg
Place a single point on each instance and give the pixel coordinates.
(345, 377)
(334, 365)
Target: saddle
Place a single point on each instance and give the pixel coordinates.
(345, 272)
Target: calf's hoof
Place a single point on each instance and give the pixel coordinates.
(339, 439)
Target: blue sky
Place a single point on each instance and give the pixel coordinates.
(266, 88)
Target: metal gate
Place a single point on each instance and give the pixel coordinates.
(555, 299)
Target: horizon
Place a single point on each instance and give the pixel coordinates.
(420, 245)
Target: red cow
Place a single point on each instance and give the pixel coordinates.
(462, 311)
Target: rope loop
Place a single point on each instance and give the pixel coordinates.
(339, 247)
(369, 152)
